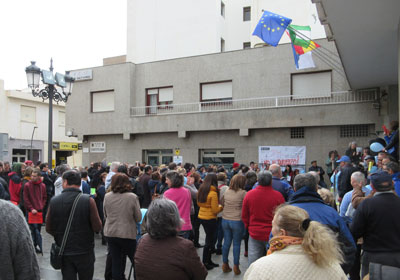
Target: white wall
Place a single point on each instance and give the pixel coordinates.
(159, 29)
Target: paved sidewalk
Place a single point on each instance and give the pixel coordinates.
(48, 273)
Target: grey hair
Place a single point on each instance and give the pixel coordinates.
(114, 165)
(305, 180)
(175, 178)
(275, 169)
(163, 219)
(264, 178)
(62, 168)
(393, 166)
(316, 176)
(352, 143)
(359, 177)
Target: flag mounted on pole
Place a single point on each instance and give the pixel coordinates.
(271, 27)
(299, 35)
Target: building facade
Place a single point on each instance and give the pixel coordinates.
(25, 128)
(159, 30)
(220, 108)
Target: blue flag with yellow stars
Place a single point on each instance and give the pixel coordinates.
(271, 27)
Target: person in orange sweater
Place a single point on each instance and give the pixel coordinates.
(208, 201)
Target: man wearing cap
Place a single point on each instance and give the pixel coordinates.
(393, 169)
(377, 221)
(28, 163)
(346, 169)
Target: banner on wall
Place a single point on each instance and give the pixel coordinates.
(282, 155)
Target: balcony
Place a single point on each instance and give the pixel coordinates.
(342, 97)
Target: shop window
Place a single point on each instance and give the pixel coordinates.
(225, 157)
(158, 157)
(103, 101)
(222, 45)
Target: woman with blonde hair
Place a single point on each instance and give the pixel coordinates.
(300, 249)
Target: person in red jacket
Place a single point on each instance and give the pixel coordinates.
(257, 214)
(35, 198)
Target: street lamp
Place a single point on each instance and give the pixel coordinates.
(50, 92)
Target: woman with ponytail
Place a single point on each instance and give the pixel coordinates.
(299, 249)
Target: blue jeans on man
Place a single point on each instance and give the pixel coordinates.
(233, 231)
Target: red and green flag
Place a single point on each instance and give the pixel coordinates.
(301, 43)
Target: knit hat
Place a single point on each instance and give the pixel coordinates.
(235, 165)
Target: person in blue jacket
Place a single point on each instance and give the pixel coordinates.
(307, 198)
(393, 169)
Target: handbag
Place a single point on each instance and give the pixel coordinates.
(56, 251)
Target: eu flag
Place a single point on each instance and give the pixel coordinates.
(271, 27)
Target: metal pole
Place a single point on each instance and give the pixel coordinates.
(50, 139)
(31, 151)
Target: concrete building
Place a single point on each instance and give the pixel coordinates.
(159, 30)
(367, 36)
(24, 126)
(220, 108)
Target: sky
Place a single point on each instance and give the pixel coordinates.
(75, 33)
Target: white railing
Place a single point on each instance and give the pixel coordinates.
(257, 103)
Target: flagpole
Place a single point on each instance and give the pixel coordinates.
(332, 60)
(301, 35)
(324, 57)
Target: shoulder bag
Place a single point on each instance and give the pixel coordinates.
(56, 251)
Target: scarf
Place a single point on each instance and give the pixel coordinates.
(280, 242)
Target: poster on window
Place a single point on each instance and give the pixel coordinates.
(282, 155)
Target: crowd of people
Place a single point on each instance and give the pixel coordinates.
(293, 224)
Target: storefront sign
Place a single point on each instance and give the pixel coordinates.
(178, 159)
(65, 146)
(82, 75)
(282, 155)
(97, 147)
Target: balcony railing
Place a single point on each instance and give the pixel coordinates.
(341, 97)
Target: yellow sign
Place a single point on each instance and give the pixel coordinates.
(65, 146)
(177, 152)
(53, 163)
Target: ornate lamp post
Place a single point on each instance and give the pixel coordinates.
(49, 92)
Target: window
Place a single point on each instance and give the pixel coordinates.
(103, 101)
(246, 45)
(28, 114)
(159, 98)
(297, 132)
(246, 13)
(216, 91)
(311, 84)
(225, 157)
(19, 155)
(361, 130)
(157, 157)
(61, 118)
(222, 45)
(222, 9)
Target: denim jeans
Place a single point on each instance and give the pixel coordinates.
(36, 236)
(219, 235)
(257, 249)
(233, 231)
